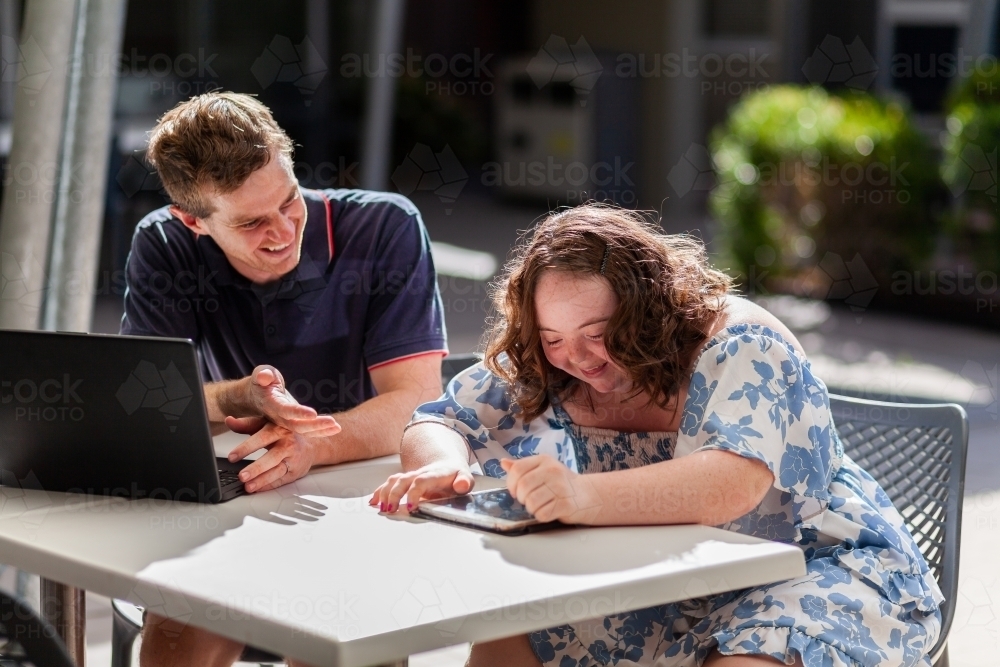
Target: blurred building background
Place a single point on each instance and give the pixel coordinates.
(839, 157)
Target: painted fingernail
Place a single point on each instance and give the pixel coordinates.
(388, 508)
(409, 506)
(381, 507)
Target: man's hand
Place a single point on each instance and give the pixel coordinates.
(550, 490)
(289, 455)
(264, 396)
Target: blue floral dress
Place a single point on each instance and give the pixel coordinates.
(868, 597)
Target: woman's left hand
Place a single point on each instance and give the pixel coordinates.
(550, 490)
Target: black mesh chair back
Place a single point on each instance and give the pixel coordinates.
(26, 640)
(917, 454)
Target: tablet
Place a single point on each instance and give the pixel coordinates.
(494, 510)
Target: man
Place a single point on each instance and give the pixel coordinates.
(302, 304)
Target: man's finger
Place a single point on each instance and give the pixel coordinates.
(262, 438)
(269, 478)
(321, 426)
(274, 460)
(245, 425)
(282, 405)
(265, 375)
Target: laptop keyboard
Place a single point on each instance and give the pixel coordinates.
(228, 477)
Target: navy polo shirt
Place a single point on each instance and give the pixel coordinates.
(363, 295)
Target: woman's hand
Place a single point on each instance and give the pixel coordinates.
(550, 490)
(440, 479)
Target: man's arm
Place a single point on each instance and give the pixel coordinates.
(371, 429)
(375, 427)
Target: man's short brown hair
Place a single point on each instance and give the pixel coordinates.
(213, 141)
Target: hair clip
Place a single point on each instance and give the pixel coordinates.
(604, 262)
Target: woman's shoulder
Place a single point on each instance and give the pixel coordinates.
(740, 311)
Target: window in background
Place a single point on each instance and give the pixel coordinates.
(737, 18)
(922, 65)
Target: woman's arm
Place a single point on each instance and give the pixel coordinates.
(435, 465)
(708, 487)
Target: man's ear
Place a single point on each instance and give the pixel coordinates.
(193, 223)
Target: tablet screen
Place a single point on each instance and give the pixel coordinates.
(496, 503)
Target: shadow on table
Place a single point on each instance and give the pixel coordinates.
(595, 550)
(290, 505)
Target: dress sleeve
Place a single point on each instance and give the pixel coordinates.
(476, 405)
(751, 394)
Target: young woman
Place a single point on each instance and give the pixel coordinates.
(620, 354)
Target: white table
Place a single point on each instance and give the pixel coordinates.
(310, 571)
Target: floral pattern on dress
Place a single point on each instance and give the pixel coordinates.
(868, 597)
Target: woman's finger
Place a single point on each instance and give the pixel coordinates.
(429, 487)
(527, 484)
(397, 491)
(383, 491)
(538, 499)
(547, 511)
(463, 483)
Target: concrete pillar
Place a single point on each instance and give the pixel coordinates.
(29, 198)
(376, 147)
(683, 110)
(79, 214)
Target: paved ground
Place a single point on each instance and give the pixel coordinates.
(870, 354)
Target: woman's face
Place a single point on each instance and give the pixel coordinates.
(572, 312)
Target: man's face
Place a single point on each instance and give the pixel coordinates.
(259, 226)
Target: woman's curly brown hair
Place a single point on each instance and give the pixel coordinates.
(668, 298)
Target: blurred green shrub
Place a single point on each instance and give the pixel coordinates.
(969, 168)
(802, 172)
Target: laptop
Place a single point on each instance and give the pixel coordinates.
(108, 415)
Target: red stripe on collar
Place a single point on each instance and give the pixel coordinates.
(329, 225)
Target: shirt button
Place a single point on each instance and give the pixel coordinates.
(271, 330)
